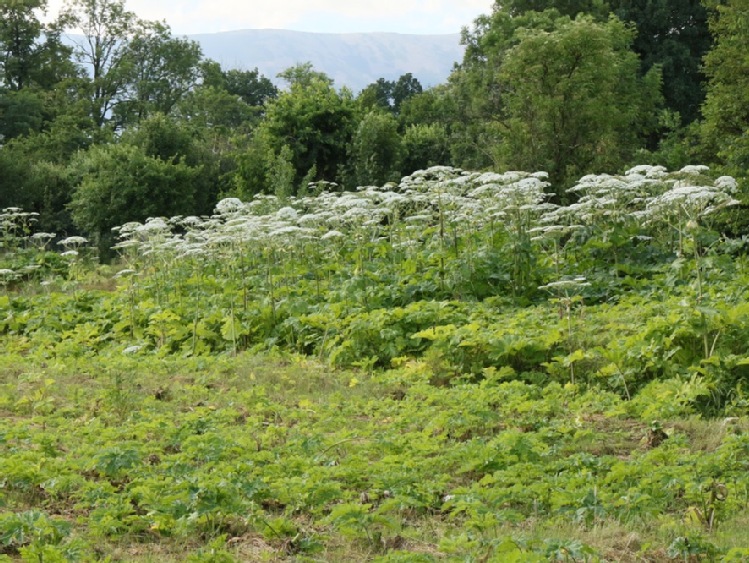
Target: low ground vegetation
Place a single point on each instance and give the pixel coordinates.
(454, 367)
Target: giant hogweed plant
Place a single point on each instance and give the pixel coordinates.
(25, 252)
(442, 217)
(351, 276)
(646, 217)
(685, 212)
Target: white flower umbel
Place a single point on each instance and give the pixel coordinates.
(230, 206)
(73, 242)
(694, 169)
(647, 171)
(567, 283)
(332, 235)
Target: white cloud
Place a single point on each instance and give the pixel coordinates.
(403, 16)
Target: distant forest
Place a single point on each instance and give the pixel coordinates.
(133, 122)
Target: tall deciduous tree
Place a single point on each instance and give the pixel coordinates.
(160, 70)
(572, 100)
(227, 99)
(726, 110)
(376, 150)
(31, 53)
(20, 30)
(434, 105)
(378, 94)
(386, 94)
(674, 35)
(133, 67)
(32, 62)
(252, 87)
(103, 50)
(541, 90)
(314, 121)
(304, 75)
(403, 89)
(474, 88)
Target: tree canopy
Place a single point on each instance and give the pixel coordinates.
(726, 110)
(567, 86)
(572, 100)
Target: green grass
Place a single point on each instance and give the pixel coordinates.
(277, 457)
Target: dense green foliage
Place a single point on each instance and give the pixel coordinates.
(672, 34)
(376, 150)
(572, 100)
(727, 108)
(251, 459)
(436, 365)
(441, 263)
(568, 87)
(532, 381)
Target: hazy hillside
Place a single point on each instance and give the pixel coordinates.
(352, 59)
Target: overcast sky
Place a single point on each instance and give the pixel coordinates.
(330, 16)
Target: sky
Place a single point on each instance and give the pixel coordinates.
(324, 16)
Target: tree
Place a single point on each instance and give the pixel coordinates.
(405, 87)
(120, 183)
(35, 185)
(159, 71)
(314, 121)
(12, 173)
(252, 87)
(20, 30)
(674, 35)
(176, 142)
(540, 90)
(32, 62)
(217, 110)
(226, 102)
(376, 151)
(379, 94)
(386, 94)
(425, 145)
(474, 90)
(572, 100)
(725, 130)
(430, 106)
(104, 52)
(33, 168)
(304, 75)
(133, 68)
(21, 112)
(31, 53)
(159, 168)
(252, 161)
